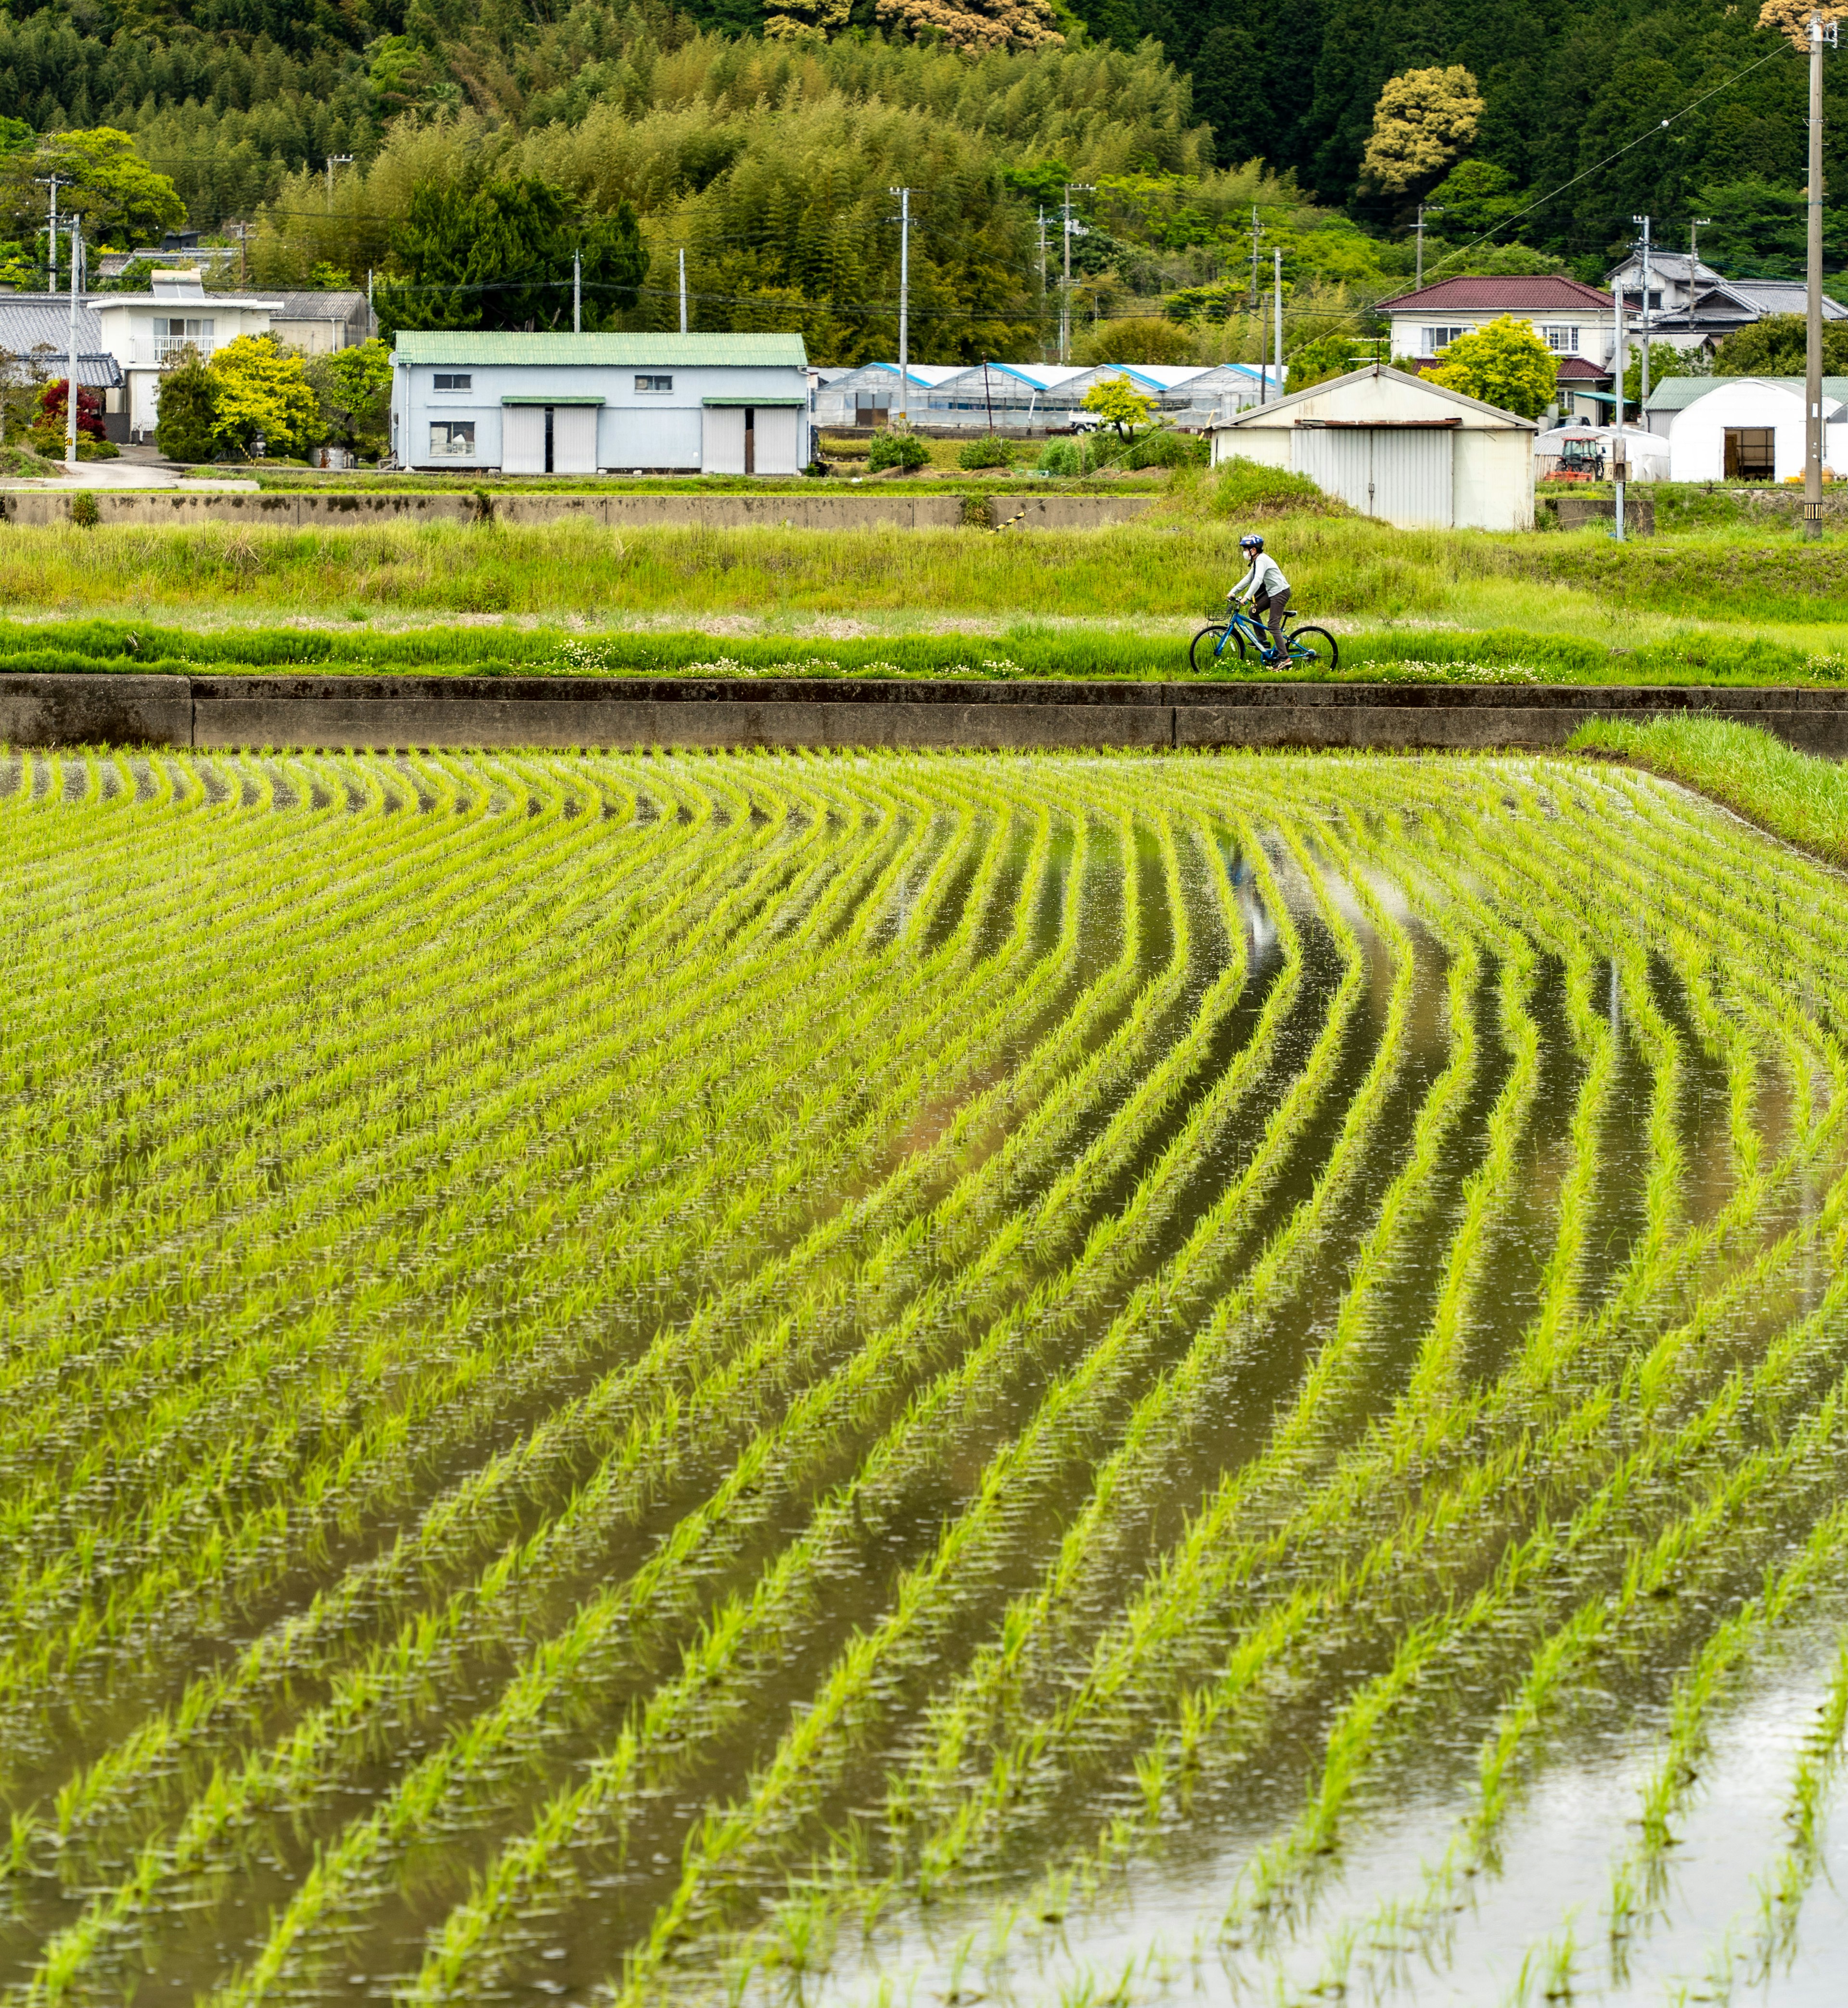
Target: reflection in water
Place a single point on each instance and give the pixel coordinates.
(1090, 1377)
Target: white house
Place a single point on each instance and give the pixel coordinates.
(1577, 322)
(573, 404)
(1744, 427)
(1394, 446)
(143, 331)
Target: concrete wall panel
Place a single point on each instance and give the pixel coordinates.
(96, 711)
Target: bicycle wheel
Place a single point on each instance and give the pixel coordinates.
(1209, 653)
(1314, 647)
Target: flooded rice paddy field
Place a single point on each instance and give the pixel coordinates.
(916, 1378)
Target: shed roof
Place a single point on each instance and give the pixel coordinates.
(614, 351)
(1357, 379)
(318, 307)
(1539, 292)
(1676, 394)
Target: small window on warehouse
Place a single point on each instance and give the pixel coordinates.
(654, 384)
(1750, 453)
(1438, 339)
(1561, 340)
(453, 381)
(453, 441)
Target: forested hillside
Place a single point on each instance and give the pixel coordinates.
(762, 137)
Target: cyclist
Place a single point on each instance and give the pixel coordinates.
(1269, 589)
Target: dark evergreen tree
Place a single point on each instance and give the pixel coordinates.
(188, 411)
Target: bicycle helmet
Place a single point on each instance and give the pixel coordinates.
(1251, 541)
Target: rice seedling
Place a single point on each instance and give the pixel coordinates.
(651, 1372)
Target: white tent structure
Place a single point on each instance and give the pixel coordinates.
(1394, 446)
(1646, 453)
(1745, 428)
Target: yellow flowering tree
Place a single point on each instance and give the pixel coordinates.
(1424, 119)
(262, 390)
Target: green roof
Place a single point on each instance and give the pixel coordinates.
(619, 351)
(761, 404)
(1676, 394)
(549, 398)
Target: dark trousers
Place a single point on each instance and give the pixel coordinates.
(1273, 607)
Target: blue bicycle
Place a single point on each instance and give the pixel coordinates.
(1241, 631)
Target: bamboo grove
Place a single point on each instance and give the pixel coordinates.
(655, 1377)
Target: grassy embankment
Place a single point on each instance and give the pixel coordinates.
(1572, 606)
(1803, 800)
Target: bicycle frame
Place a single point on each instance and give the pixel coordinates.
(1241, 620)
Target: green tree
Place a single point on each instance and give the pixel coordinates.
(1476, 195)
(1118, 402)
(1505, 364)
(1665, 362)
(354, 386)
(1137, 338)
(500, 256)
(262, 388)
(493, 256)
(1777, 345)
(615, 264)
(1315, 362)
(115, 192)
(1754, 230)
(187, 425)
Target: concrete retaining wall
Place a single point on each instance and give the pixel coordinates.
(358, 712)
(1574, 512)
(880, 507)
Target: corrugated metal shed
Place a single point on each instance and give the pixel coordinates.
(616, 352)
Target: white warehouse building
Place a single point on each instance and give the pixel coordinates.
(577, 404)
(1394, 446)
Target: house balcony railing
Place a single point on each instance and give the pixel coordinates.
(160, 350)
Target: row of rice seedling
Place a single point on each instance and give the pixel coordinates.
(859, 1330)
(647, 1442)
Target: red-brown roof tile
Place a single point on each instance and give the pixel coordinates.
(1540, 293)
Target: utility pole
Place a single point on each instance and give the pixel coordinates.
(1277, 272)
(1263, 352)
(577, 292)
(1644, 385)
(1042, 287)
(54, 182)
(371, 319)
(1694, 250)
(683, 289)
(70, 380)
(1812, 372)
(904, 196)
(1620, 468)
(336, 160)
(1424, 209)
(1065, 303)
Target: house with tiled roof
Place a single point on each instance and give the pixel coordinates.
(1576, 321)
(1690, 306)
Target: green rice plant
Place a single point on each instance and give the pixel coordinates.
(515, 1379)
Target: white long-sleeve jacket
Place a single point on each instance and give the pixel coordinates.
(1265, 576)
